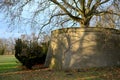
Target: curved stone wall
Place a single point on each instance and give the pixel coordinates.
(76, 48)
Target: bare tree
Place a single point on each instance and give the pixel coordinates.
(110, 20)
(45, 14)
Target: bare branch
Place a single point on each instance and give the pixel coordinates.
(89, 3)
(70, 6)
(50, 13)
(106, 12)
(82, 4)
(51, 17)
(66, 11)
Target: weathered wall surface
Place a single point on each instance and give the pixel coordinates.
(75, 48)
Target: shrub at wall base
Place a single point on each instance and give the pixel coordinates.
(30, 53)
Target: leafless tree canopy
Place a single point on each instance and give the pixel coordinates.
(49, 14)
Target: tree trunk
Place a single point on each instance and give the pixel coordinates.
(85, 22)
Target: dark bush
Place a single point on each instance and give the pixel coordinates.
(30, 53)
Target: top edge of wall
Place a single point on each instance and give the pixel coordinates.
(88, 29)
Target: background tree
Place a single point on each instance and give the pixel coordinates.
(6, 46)
(2, 47)
(57, 13)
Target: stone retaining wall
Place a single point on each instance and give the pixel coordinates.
(76, 48)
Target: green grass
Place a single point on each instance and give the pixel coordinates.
(8, 63)
(7, 58)
(10, 71)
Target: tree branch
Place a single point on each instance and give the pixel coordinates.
(70, 6)
(82, 4)
(89, 3)
(106, 12)
(76, 18)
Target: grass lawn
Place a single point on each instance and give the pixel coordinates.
(9, 71)
(8, 63)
